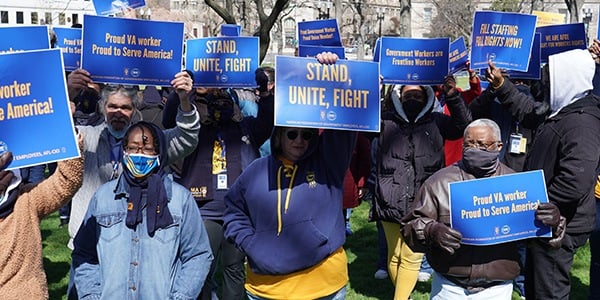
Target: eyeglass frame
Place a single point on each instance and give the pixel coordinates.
(306, 135)
(491, 146)
(137, 149)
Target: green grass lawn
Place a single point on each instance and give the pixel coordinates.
(361, 250)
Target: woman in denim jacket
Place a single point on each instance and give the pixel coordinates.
(124, 250)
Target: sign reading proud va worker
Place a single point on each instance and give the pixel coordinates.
(344, 95)
(413, 60)
(498, 209)
(223, 61)
(35, 121)
(69, 41)
(504, 38)
(23, 38)
(130, 51)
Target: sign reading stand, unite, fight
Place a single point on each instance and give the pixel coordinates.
(344, 95)
(35, 121)
(498, 209)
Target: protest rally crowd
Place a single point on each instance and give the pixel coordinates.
(175, 184)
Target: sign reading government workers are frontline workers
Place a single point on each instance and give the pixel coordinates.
(35, 121)
(22, 38)
(498, 209)
(413, 60)
(344, 95)
(130, 51)
(223, 61)
(504, 38)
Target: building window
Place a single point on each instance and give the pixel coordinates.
(48, 17)
(61, 19)
(34, 18)
(20, 17)
(427, 11)
(75, 18)
(4, 17)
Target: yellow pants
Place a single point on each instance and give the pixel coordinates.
(403, 263)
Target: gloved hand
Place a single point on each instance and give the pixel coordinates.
(5, 160)
(444, 237)
(261, 80)
(548, 214)
(558, 233)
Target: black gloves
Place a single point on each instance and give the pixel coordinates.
(261, 80)
(548, 214)
(444, 237)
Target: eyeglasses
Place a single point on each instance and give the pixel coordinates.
(490, 146)
(293, 134)
(142, 149)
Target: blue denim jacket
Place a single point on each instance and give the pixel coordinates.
(112, 261)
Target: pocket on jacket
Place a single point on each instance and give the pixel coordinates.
(110, 225)
(169, 233)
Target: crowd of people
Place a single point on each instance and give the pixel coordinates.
(160, 201)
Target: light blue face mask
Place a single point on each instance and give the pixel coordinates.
(117, 134)
(140, 165)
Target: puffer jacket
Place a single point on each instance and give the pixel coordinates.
(492, 263)
(406, 153)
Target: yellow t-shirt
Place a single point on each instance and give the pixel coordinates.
(321, 280)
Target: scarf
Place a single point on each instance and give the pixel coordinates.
(148, 193)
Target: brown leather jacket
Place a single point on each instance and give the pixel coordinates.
(474, 263)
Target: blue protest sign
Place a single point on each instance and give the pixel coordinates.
(23, 38)
(312, 51)
(344, 95)
(69, 42)
(223, 61)
(498, 209)
(35, 121)
(319, 33)
(111, 7)
(561, 38)
(413, 61)
(131, 51)
(231, 30)
(534, 70)
(377, 50)
(458, 56)
(505, 38)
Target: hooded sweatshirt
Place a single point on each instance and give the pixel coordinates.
(289, 222)
(567, 145)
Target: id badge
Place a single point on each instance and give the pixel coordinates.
(222, 181)
(516, 141)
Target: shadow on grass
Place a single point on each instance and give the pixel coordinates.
(55, 272)
(363, 252)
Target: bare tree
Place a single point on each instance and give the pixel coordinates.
(574, 7)
(266, 21)
(405, 18)
(454, 18)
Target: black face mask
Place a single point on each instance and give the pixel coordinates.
(412, 108)
(480, 163)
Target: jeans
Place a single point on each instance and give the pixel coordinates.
(339, 295)
(444, 289)
(595, 257)
(425, 267)
(232, 265)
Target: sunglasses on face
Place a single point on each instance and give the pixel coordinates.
(293, 134)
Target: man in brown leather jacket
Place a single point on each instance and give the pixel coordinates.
(478, 272)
